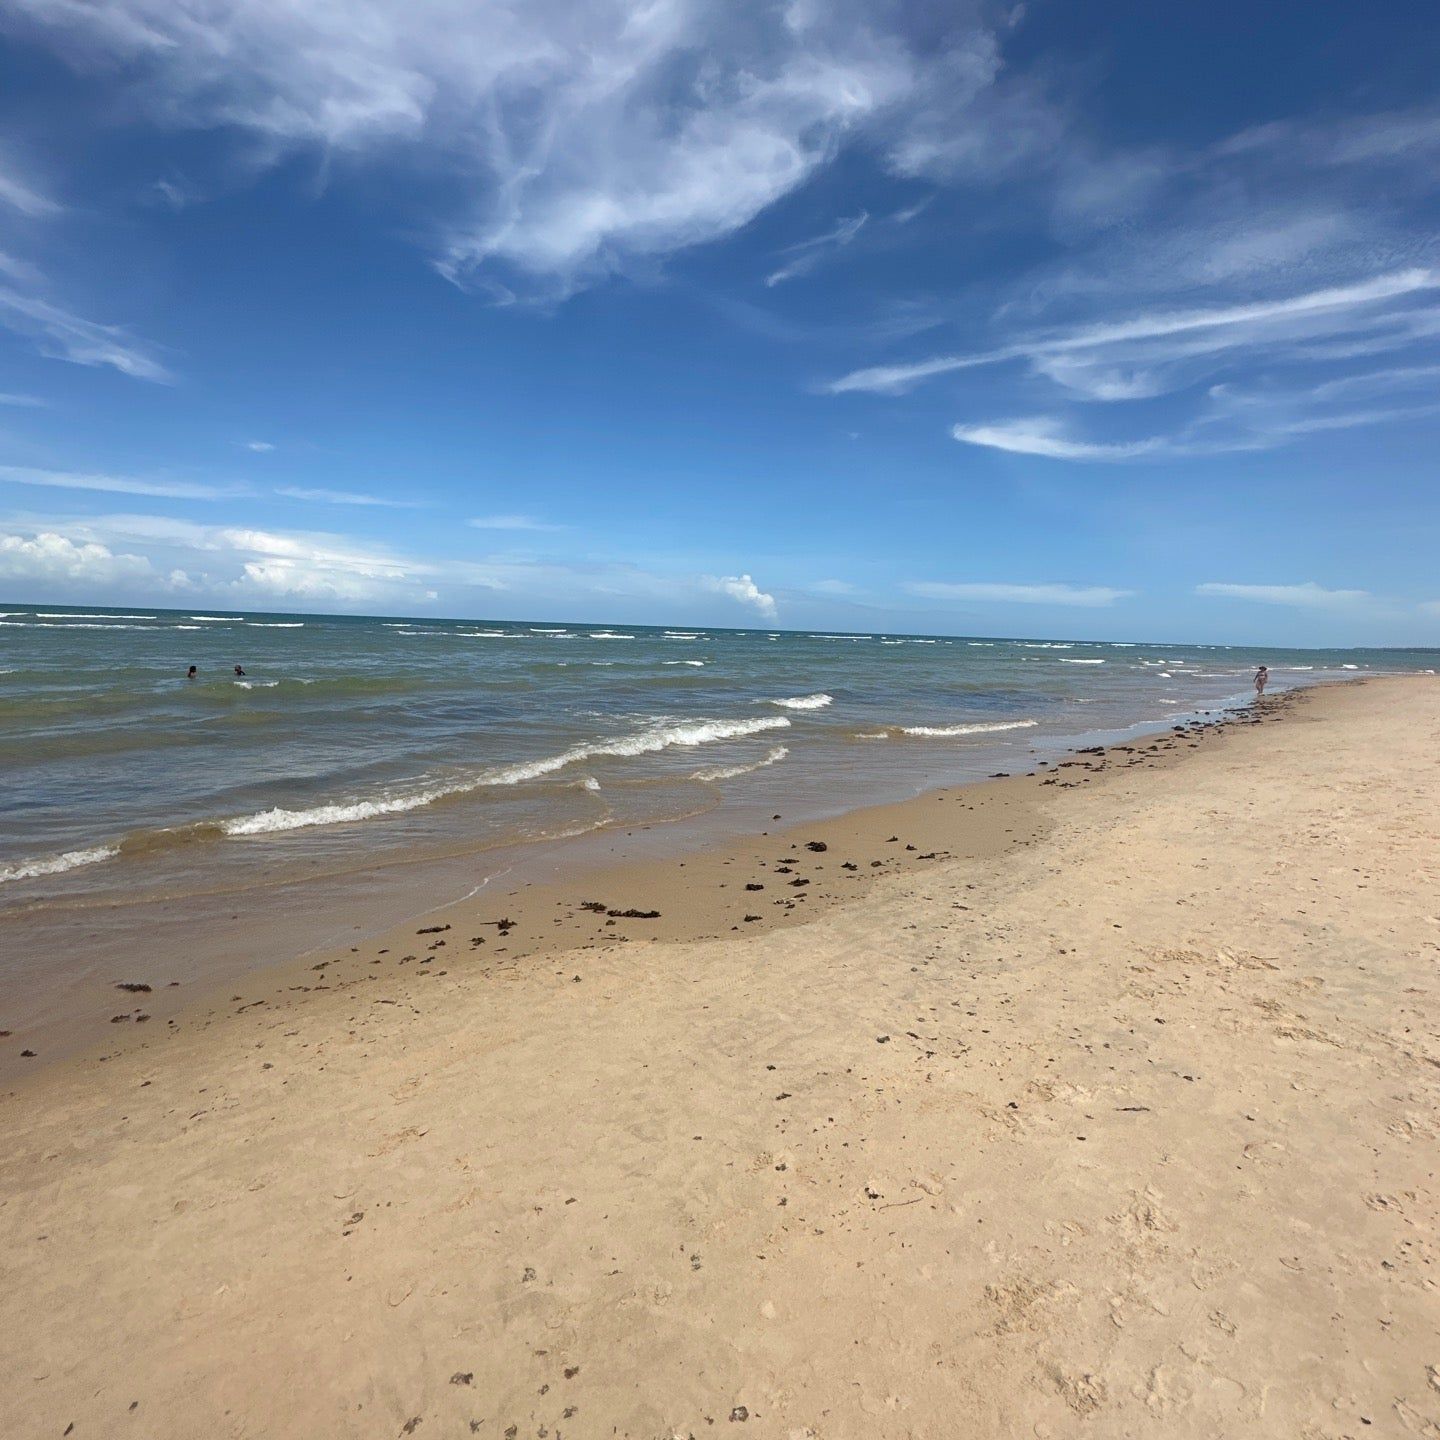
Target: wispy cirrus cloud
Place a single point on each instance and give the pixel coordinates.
(805, 255)
(25, 308)
(321, 496)
(1342, 309)
(511, 522)
(576, 140)
(116, 484)
(63, 335)
(1042, 436)
(1088, 597)
(23, 197)
(1231, 422)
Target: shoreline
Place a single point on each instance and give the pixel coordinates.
(623, 859)
(1122, 1125)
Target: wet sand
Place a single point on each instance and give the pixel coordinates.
(1110, 1107)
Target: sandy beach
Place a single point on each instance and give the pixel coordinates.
(1096, 1102)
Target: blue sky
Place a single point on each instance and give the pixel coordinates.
(1117, 320)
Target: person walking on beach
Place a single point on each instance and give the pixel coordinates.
(1261, 676)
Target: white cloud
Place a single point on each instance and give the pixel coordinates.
(236, 564)
(1225, 327)
(804, 256)
(62, 335)
(1041, 436)
(54, 560)
(579, 136)
(343, 497)
(1308, 596)
(260, 447)
(510, 522)
(114, 484)
(23, 401)
(746, 591)
(1083, 596)
(23, 198)
(834, 587)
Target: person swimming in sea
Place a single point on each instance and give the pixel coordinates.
(1262, 675)
(239, 671)
(192, 672)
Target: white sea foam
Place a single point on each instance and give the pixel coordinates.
(589, 783)
(696, 663)
(1065, 660)
(1348, 666)
(730, 772)
(805, 702)
(226, 619)
(83, 615)
(991, 728)
(538, 630)
(256, 684)
(56, 864)
(644, 742)
(276, 624)
(982, 644)
(684, 635)
(608, 635)
(81, 625)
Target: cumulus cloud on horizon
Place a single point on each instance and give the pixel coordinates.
(746, 591)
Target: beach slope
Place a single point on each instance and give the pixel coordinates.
(1129, 1128)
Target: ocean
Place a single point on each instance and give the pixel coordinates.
(352, 742)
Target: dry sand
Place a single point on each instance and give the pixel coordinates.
(1121, 1120)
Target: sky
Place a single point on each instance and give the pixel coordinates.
(1116, 320)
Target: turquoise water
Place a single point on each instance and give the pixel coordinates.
(351, 741)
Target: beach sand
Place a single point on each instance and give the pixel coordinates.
(1110, 1109)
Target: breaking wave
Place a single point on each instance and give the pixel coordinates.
(805, 702)
(57, 864)
(644, 742)
(730, 772)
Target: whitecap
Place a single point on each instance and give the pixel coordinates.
(978, 729)
(1064, 660)
(730, 772)
(696, 663)
(276, 624)
(805, 702)
(56, 864)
